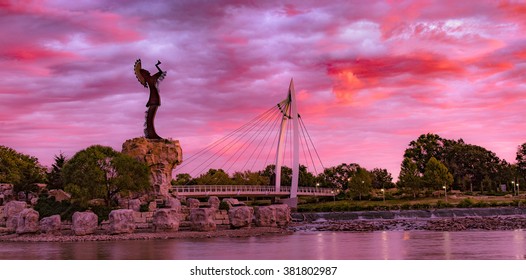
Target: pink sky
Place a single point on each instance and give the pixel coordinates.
(371, 75)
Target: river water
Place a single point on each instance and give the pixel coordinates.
(386, 245)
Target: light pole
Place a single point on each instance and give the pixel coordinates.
(333, 196)
(514, 187)
(383, 194)
(445, 191)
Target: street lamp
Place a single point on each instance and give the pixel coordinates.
(333, 196)
(514, 187)
(445, 191)
(383, 194)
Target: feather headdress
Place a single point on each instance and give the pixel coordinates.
(137, 70)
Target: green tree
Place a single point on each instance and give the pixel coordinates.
(437, 175)
(360, 184)
(338, 177)
(382, 179)
(409, 177)
(21, 170)
(101, 172)
(521, 160)
(183, 179)
(55, 178)
(214, 177)
(250, 178)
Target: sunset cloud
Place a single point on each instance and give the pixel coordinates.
(370, 77)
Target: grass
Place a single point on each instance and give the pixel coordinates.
(421, 203)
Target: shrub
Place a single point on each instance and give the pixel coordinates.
(465, 203)
(223, 205)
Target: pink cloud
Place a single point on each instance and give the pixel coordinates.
(370, 77)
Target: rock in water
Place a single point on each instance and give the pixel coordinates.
(11, 211)
(161, 156)
(265, 216)
(282, 214)
(240, 216)
(27, 221)
(84, 223)
(51, 224)
(121, 221)
(166, 219)
(202, 219)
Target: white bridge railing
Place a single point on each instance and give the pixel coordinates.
(249, 190)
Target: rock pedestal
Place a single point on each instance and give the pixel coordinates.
(161, 156)
(121, 221)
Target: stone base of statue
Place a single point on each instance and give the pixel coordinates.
(161, 156)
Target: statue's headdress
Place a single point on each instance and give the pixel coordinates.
(137, 69)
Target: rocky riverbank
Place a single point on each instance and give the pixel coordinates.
(146, 235)
(515, 222)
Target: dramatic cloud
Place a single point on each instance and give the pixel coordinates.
(370, 76)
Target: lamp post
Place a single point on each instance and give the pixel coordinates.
(333, 196)
(383, 194)
(445, 191)
(514, 187)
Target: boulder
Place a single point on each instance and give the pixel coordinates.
(265, 216)
(84, 223)
(161, 156)
(193, 203)
(51, 224)
(59, 195)
(214, 202)
(166, 219)
(173, 203)
(152, 206)
(121, 221)
(202, 219)
(233, 202)
(240, 216)
(282, 214)
(133, 204)
(27, 221)
(11, 211)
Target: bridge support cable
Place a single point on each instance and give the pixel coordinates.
(220, 145)
(228, 146)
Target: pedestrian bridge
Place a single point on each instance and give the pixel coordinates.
(247, 191)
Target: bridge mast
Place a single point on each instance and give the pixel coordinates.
(290, 111)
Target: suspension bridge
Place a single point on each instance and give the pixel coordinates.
(257, 143)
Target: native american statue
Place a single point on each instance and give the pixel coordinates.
(152, 82)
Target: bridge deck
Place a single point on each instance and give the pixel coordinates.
(243, 190)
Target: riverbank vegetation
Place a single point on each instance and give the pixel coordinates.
(431, 166)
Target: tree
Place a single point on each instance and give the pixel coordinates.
(521, 160)
(338, 177)
(436, 174)
(426, 146)
(360, 183)
(55, 178)
(250, 178)
(409, 177)
(214, 177)
(183, 179)
(21, 170)
(381, 179)
(101, 172)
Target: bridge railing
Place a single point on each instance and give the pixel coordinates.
(248, 189)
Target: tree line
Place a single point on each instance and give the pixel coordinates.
(429, 163)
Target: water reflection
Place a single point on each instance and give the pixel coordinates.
(386, 245)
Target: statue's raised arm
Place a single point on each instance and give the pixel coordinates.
(152, 82)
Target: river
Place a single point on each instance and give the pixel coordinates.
(380, 245)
